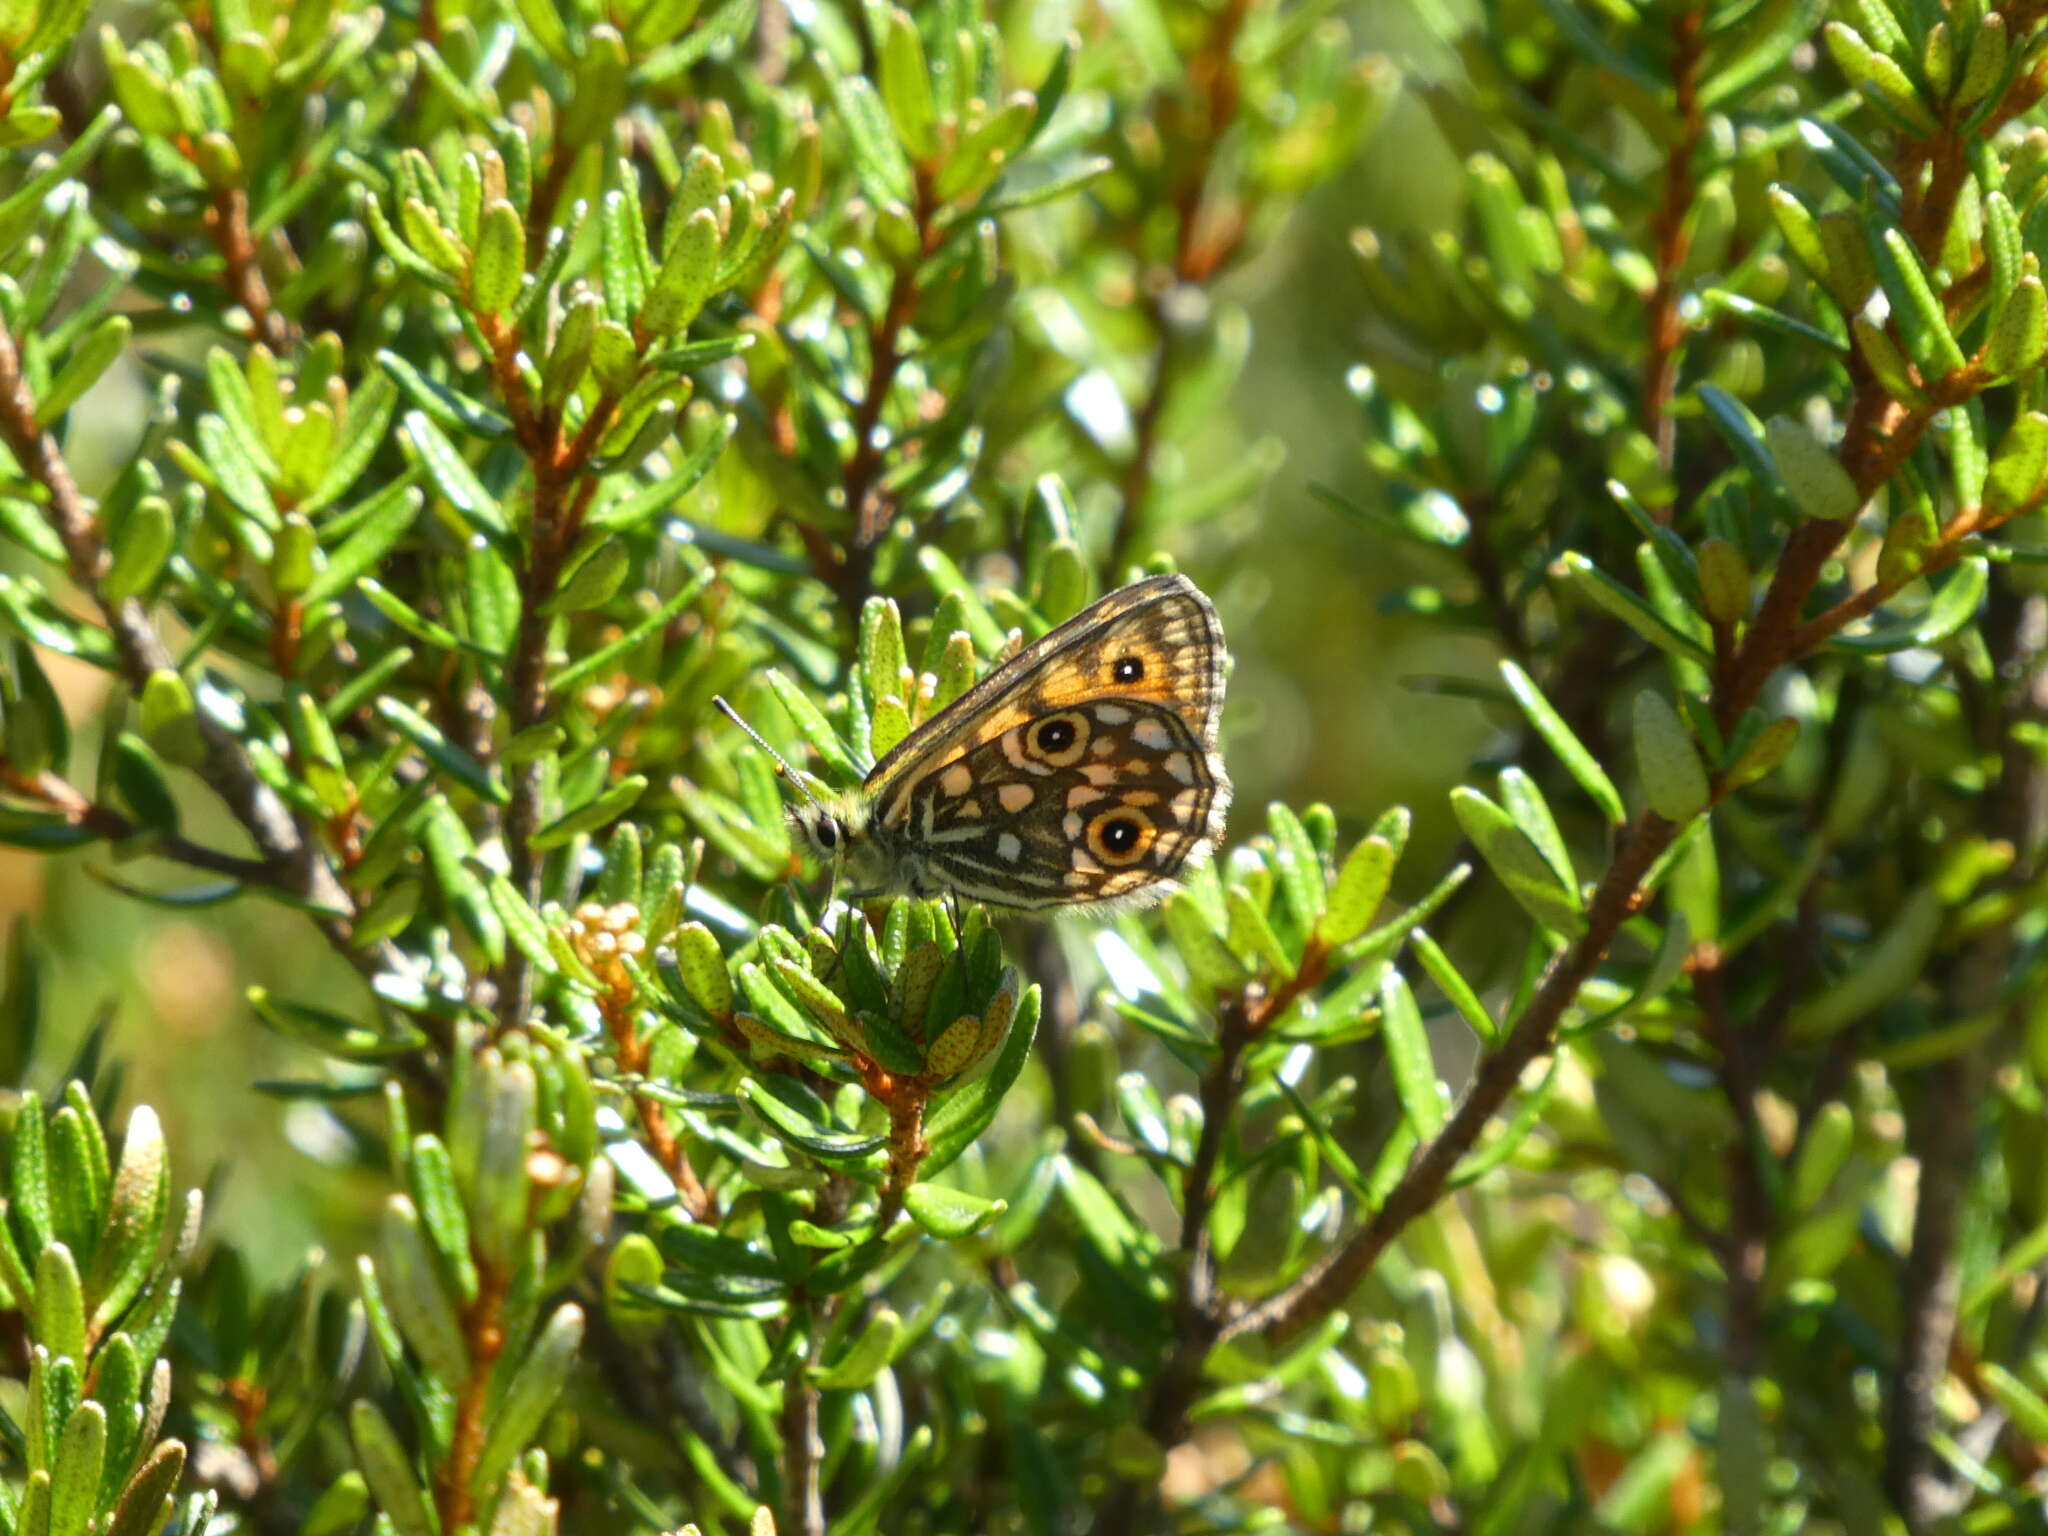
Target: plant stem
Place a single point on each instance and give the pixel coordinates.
(454, 1501)
(1943, 1126)
(228, 218)
(294, 859)
(1323, 1288)
(1671, 239)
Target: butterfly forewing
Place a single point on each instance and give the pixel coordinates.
(1156, 640)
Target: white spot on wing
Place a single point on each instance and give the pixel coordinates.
(956, 780)
(1180, 767)
(1150, 733)
(1008, 847)
(1111, 714)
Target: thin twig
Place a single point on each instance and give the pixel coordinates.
(1211, 84)
(1325, 1285)
(483, 1330)
(294, 859)
(228, 218)
(1671, 240)
(1943, 1125)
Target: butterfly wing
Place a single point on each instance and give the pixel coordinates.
(1076, 807)
(1155, 641)
(1081, 771)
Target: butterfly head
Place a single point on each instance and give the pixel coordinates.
(835, 831)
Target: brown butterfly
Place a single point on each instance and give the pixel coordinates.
(1080, 773)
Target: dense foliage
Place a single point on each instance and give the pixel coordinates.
(415, 419)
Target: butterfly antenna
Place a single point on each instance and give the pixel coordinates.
(782, 767)
(785, 771)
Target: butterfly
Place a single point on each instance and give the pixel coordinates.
(1081, 773)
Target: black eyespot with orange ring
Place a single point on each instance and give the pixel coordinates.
(1121, 836)
(1058, 740)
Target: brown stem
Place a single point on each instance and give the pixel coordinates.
(228, 218)
(482, 1326)
(1323, 1288)
(1199, 1306)
(802, 1449)
(296, 862)
(1944, 1122)
(1749, 1216)
(1212, 83)
(1670, 240)
(620, 1010)
(852, 573)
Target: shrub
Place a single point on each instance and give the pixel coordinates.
(520, 379)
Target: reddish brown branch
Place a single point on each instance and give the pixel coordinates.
(294, 857)
(483, 1330)
(1669, 239)
(1326, 1284)
(1199, 252)
(228, 218)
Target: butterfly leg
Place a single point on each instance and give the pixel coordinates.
(959, 944)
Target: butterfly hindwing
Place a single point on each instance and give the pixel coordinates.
(1073, 807)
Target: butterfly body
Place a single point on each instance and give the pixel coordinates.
(1081, 773)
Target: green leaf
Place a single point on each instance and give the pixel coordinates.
(950, 1213)
(657, 620)
(60, 1300)
(139, 1206)
(813, 726)
(82, 369)
(1361, 885)
(878, 159)
(1888, 966)
(380, 523)
(686, 278)
(2019, 335)
(1531, 812)
(1674, 779)
(1955, 603)
(1603, 591)
(388, 1471)
(1514, 859)
(2019, 469)
(1916, 309)
(1558, 736)
(1813, 476)
(907, 86)
(448, 757)
(1454, 986)
(1408, 1057)
(857, 1366)
(75, 1481)
(529, 1395)
(1740, 429)
(500, 262)
(443, 402)
(453, 477)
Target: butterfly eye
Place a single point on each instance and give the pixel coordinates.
(827, 833)
(1127, 669)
